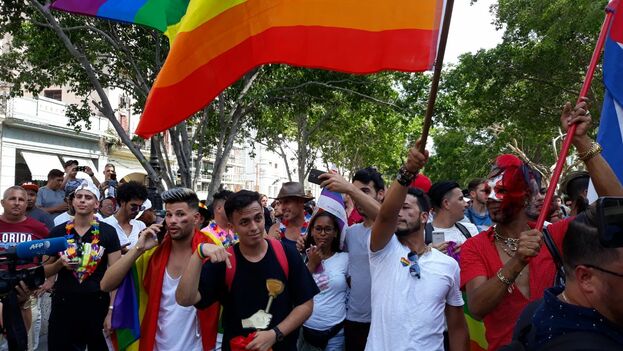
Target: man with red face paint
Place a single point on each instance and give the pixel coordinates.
(504, 268)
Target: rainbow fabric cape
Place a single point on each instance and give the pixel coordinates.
(135, 315)
(215, 42)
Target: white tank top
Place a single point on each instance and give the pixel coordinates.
(178, 326)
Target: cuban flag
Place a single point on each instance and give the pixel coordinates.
(333, 203)
(610, 135)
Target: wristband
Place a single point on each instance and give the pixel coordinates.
(199, 253)
(405, 177)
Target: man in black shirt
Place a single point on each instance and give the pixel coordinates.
(246, 292)
(80, 310)
(588, 313)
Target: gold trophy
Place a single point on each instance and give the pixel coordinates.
(261, 319)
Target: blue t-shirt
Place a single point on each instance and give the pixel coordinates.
(47, 197)
(482, 222)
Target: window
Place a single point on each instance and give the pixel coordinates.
(55, 94)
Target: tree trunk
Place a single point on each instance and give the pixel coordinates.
(106, 107)
(301, 148)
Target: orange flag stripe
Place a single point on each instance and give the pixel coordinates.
(192, 49)
(339, 49)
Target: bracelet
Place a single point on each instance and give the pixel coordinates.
(593, 151)
(506, 281)
(199, 253)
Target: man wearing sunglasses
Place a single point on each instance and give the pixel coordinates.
(413, 286)
(130, 197)
(588, 313)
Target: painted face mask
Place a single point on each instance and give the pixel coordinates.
(494, 185)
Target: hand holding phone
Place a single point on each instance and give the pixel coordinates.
(314, 175)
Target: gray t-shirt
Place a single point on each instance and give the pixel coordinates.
(41, 216)
(47, 197)
(356, 238)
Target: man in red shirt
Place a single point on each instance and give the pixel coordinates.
(504, 268)
(16, 228)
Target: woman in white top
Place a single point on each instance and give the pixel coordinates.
(329, 266)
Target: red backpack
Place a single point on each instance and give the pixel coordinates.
(279, 252)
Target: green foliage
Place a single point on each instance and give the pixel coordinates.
(515, 90)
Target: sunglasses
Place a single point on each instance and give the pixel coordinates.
(137, 208)
(603, 270)
(414, 268)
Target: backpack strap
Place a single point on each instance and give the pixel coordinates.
(277, 249)
(428, 233)
(280, 252)
(553, 250)
(230, 272)
(463, 230)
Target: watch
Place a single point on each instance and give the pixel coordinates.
(279, 334)
(404, 176)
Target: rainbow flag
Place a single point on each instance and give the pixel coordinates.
(215, 42)
(477, 340)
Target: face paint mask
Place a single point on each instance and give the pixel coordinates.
(495, 185)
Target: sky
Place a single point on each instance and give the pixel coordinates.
(471, 29)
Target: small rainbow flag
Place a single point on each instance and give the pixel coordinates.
(215, 42)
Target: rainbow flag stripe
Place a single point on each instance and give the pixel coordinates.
(215, 42)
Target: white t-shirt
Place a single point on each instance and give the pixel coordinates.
(407, 312)
(65, 217)
(330, 303)
(356, 239)
(137, 226)
(178, 326)
(454, 234)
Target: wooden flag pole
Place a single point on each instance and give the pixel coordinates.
(571, 131)
(434, 88)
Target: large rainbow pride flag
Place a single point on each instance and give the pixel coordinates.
(215, 42)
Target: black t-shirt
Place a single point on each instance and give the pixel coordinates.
(249, 294)
(67, 282)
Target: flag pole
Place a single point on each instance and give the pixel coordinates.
(571, 131)
(434, 88)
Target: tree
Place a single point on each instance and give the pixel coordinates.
(516, 90)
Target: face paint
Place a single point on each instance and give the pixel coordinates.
(495, 185)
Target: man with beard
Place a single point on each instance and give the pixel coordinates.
(157, 268)
(294, 220)
(575, 185)
(32, 210)
(240, 277)
(413, 285)
(366, 191)
(504, 268)
(130, 197)
(51, 197)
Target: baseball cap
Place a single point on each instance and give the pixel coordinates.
(30, 186)
(146, 206)
(87, 185)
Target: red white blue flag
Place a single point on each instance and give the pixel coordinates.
(610, 134)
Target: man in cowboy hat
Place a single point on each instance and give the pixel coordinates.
(292, 199)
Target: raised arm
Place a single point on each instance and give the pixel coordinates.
(337, 183)
(605, 181)
(387, 219)
(116, 272)
(187, 293)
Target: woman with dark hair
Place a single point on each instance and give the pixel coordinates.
(329, 267)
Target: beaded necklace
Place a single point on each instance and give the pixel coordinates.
(227, 237)
(87, 255)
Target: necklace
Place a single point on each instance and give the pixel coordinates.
(510, 243)
(564, 297)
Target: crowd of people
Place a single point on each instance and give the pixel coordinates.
(242, 274)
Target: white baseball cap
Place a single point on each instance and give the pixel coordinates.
(146, 205)
(88, 185)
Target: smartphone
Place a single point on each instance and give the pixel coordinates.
(313, 176)
(438, 237)
(610, 221)
(81, 168)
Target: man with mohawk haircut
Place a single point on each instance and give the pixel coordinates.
(155, 268)
(505, 267)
